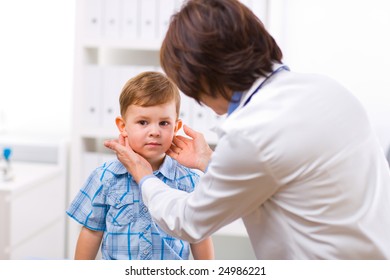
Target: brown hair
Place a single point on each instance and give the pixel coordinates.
(214, 47)
(148, 89)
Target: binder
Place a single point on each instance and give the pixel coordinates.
(165, 11)
(112, 19)
(91, 104)
(93, 11)
(112, 86)
(148, 22)
(130, 19)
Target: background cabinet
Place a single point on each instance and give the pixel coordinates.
(32, 204)
(115, 40)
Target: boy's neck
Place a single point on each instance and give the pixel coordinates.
(156, 163)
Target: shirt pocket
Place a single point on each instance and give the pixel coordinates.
(121, 208)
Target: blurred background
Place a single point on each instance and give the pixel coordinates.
(58, 63)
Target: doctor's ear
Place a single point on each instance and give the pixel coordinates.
(120, 123)
(179, 124)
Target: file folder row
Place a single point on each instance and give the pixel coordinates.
(145, 20)
(128, 19)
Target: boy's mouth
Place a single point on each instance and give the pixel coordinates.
(153, 144)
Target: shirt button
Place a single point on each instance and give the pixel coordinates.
(118, 201)
(145, 209)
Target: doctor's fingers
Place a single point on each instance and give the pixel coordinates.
(116, 145)
(121, 140)
(175, 149)
(181, 141)
(190, 132)
(110, 144)
(172, 154)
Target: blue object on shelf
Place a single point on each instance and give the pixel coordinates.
(7, 153)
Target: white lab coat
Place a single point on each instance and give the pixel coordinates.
(301, 165)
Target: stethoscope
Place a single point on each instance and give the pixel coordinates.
(238, 94)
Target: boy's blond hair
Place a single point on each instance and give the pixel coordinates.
(149, 89)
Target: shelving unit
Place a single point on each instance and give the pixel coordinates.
(115, 40)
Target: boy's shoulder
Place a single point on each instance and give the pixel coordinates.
(105, 176)
(109, 169)
(113, 166)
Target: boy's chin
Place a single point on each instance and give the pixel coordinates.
(152, 156)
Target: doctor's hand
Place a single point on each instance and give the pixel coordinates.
(137, 166)
(193, 152)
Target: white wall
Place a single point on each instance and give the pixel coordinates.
(36, 65)
(348, 40)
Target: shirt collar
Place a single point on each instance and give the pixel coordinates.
(240, 97)
(167, 168)
(234, 102)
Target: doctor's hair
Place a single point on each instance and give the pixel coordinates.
(147, 89)
(215, 47)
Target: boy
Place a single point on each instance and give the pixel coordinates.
(110, 206)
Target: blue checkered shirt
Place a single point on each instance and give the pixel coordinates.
(111, 201)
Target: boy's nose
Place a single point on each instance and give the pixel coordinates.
(154, 130)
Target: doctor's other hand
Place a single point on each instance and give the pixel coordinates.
(193, 152)
(137, 166)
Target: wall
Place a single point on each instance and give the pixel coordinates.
(36, 64)
(348, 40)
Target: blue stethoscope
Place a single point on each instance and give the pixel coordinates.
(235, 101)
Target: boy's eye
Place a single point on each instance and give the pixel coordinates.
(164, 123)
(143, 122)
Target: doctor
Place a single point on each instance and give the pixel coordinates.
(297, 159)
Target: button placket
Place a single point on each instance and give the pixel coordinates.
(146, 249)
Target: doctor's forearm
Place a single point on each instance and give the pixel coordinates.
(169, 210)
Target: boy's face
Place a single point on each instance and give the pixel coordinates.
(150, 130)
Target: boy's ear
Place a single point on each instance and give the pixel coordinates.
(179, 124)
(120, 123)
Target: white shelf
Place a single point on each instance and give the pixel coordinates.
(100, 133)
(27, 175)
(151, 45)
